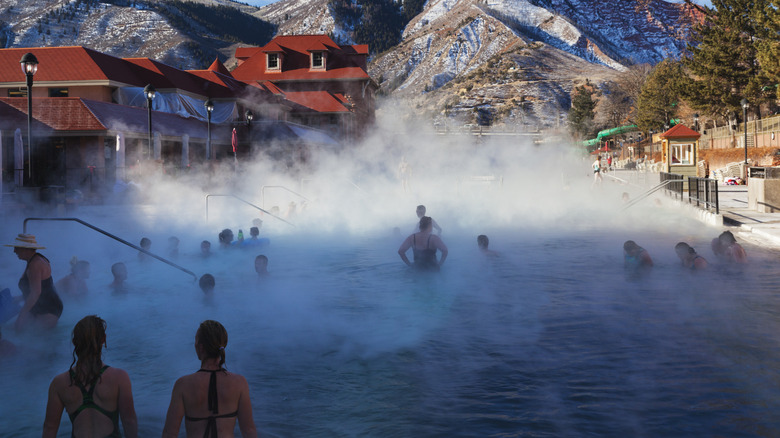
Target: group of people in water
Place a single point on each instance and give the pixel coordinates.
(97, 397)
(725, 248)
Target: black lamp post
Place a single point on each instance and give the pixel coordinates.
(249, 115)
(149, 92)
(744, 104)
(29, 67)
(209, 108)
(696, 122)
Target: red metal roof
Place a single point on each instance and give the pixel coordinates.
(69, 64)
(320, 101)
(342, 62)
(219, 67)
(246, 52)
(680, 131)
(61, 113)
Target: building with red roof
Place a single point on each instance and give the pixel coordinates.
(84, 101)
(328, 82)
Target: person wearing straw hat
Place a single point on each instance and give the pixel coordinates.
(42, 306)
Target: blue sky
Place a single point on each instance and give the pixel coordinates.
(265, 2)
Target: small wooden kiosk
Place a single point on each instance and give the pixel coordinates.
(680, 150)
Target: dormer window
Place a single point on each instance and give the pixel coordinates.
(318, 60)
(273, 61)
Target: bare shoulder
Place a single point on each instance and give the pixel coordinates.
(61, 380)
(116, 374)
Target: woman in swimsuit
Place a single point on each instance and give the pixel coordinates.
(42, 306)
(96, 396)
(424, 246)
(227, 393)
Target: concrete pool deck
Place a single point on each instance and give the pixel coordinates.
(733, 200)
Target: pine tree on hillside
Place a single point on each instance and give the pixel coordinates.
(658, 101)
(768, 44)
(723, 61)
(581, 114)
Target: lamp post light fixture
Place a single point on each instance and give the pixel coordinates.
(744, 104)
(29, 66)
(209, 108)
(696, 122)
(249, 117)
(149, 92)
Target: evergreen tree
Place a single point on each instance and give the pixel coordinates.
(768, 44)
(723, 61)
(581, 113)
(658, 100)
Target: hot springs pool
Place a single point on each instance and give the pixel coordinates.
(550, 339)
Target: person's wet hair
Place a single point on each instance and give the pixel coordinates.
(727, 237)
(213, 338)
(425, 223)
(146, 243)
(254, 231)
(631, 246)
(88, 337)
(207, 282)
(483, 241)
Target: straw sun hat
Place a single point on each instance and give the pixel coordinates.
(25, 241)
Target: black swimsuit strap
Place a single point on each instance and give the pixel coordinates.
(212, 399)
(211, 426)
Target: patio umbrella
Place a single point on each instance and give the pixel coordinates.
(18, 158)
(157, 146)
(234, 143)
(185, 151)
(120, 155)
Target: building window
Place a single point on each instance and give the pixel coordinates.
(318, 60)
(682, 154)
(58, 92)
(17, 92)
(273, 61)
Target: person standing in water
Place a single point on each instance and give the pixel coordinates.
(95, 395)
(424, 245)
(731, 251)
(420, 213)
(42, 306)
(227, 393)
(482, 243)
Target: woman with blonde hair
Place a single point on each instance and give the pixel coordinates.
(211, 399)
(95, 395)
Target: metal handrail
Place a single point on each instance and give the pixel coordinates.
(106, 233)
(262, 192)
(710, 192)
(245, 202)
(649, 192)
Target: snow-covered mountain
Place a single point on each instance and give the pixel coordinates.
(456, 57)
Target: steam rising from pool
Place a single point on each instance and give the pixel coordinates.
(341, 340)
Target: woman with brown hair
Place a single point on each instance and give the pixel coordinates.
(210, 409)
(95, 395)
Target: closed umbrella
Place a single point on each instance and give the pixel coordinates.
(120, 155)
(234, 143)
(18, 158)
(185, 151)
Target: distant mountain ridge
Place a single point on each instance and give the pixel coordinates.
(446, 62)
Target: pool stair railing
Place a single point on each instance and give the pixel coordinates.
(106, 233)
(648, 193)
(245, 202)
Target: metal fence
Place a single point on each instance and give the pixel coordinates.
(704, 192)
(675, 185)
(701, 191)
